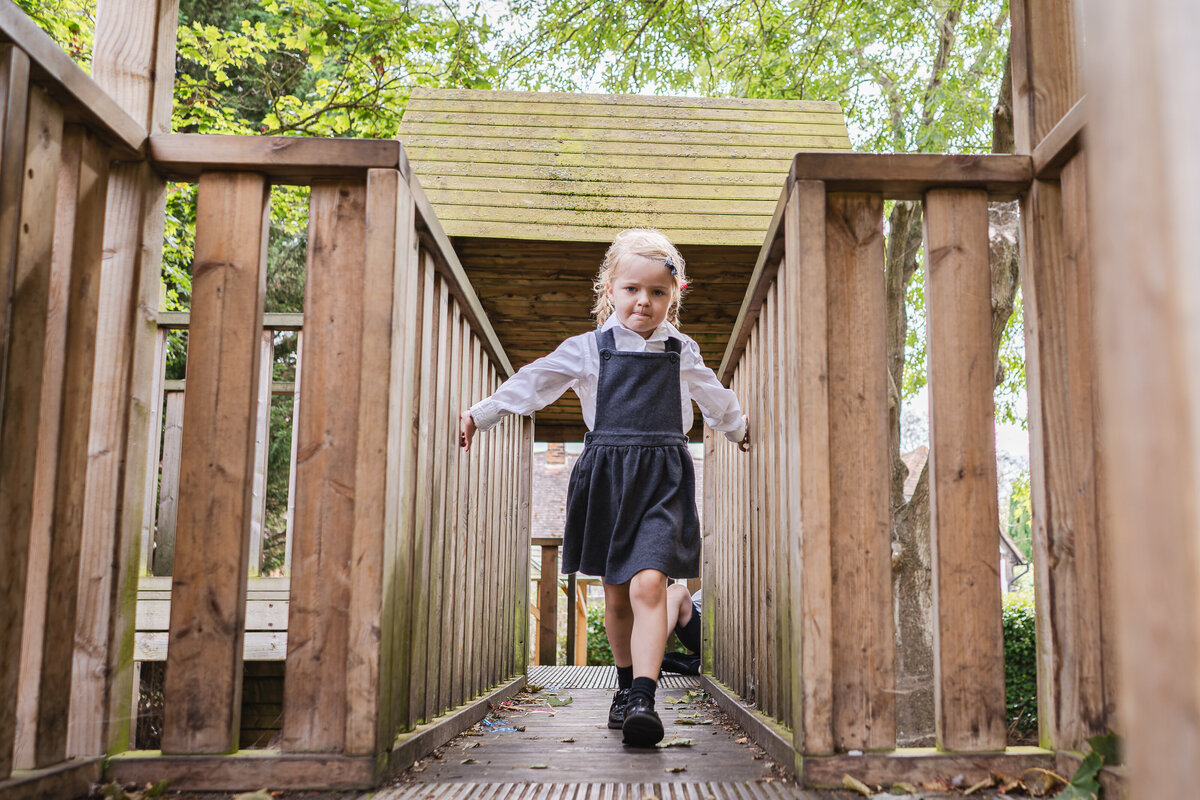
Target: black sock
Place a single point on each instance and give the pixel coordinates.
(625, 677)
(644, 687)
(689, 634)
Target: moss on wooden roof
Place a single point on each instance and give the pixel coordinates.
(578, 167)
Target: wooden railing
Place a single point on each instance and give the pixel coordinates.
(798, 532)
(406, 597)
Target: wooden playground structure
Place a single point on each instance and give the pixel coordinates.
(406, 596)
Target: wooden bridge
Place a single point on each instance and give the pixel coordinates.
(407, 596)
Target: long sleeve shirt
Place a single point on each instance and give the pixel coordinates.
(575, 364)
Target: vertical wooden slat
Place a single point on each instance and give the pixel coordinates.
(21, 415)
(475, 533)
(437, 556)
(806, 373)
(487, 455)
(779, 543)
(168, 494)
(291, 496)
(154, 452)
(1143, 78)
(860, 520)
(964, 518)
(1044, 70)
(87, 164)
(505, 548)
(453, 568)
(262, 443)
(202, 690)
(755, 573)
(403, 424)
(524, 529)
(709, 554)
(54, 360)
(369, 642)
(14, 105)
(314, 718)
(468, 586)
(422, 525)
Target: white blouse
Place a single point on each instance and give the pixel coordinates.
(575, 364)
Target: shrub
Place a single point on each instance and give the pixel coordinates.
(598, 651)
(1020, 666)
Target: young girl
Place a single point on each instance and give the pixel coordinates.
(631, 509)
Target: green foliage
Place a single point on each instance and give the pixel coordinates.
(1020, 515)
(598, 651)
(70, 23)
(1020, 664)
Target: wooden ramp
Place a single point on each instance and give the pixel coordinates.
(555, 743)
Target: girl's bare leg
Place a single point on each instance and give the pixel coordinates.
(679, 606)
(648, 597)
(618, 622)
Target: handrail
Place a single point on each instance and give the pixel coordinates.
(897, 176)
(1062, 142)
(82, 99)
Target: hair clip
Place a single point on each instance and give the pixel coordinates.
(670, 264)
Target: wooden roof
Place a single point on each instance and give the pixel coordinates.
(579, 167)
(532, 186)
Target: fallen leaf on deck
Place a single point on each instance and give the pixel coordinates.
(854, 784)
(903, 787)
(568, 740)
(691, 721)
(983, 784)
(676, 769)
(675, 700)
(468, 761)
(1005, 782)
(472, 744)
(742, 740)
(260, 794)
(539, 766)
(675, 742)
(935, 785)
(559, 701)
(1041, 782)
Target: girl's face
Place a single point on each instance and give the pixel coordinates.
(641, 290)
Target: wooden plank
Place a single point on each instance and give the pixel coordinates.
(202, 690)
(154, 614)
(82, 98)
(276, 321)
(438, 579)
(1145, 324)
(262, 444)
(284, 159)
(968, 645)
(154, 454)
(244, 769)
(81, 238)
(256, 646)
(780, 345)
(574, 99)
(860, 520)
(289, 534)
(1045, 70)
(54, 361)
(765, 191)
(1061, 144)
(466, 565)
(22, 399)
(403, 438)
(314, 718)
(710, 554)
(661, 213)
(917, 765)
(168, 493)
(907, 176)
(422, 522)
(73, 778)
(430, 158)
(806, 375)
(477, 531)
(548, 606)
(657, 175)
(369, 650)
(14, 104)
(684, 234)
(454, 566)
(1061, 379)
(492, 205)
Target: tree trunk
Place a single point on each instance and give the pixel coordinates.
(912, 568)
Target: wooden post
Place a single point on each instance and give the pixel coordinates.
(21, 403)
(208, 591)
(807, 453)
(314, 718)
(860, 521)
(14, 106)
(964, 518)
(133, 60)
(87, 166)
(572, 630)
(548, 602)
(168, 493)
(520, 553)
(262, 444)
(710, 553)
(1144, 77)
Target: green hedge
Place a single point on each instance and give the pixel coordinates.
(1020, 665)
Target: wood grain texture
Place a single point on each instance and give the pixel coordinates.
(368, 651)
(538, 144)
(314, 717)
(168, 493)
(82, 242)
(968, 648)
(284, 159)
(860, 520)
(204, 664)
(1045, 70)
(907, 176)
(807, 377)
(438, 579)
(262, 439)
(14, 105)
(1061, 376)
(22, 399)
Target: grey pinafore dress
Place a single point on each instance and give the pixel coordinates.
(631, 501)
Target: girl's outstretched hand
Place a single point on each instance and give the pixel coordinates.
(466, 430)
(744, 444)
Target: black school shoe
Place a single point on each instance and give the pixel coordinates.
(681, 663)
(642, 726)
(616, 712)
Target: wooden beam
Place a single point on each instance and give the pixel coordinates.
(82, 98)
(272, 320)
(968, 645)
(1062, 142)
(244, 770)
(314, 717)
(294, 160)
(548, 605)
(73, 778)
(1045, 69)
(21, 403)
(919, 764)
(208, 596)
(907, 176)
(860, 519)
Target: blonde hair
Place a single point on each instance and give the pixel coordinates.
(648, 243)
